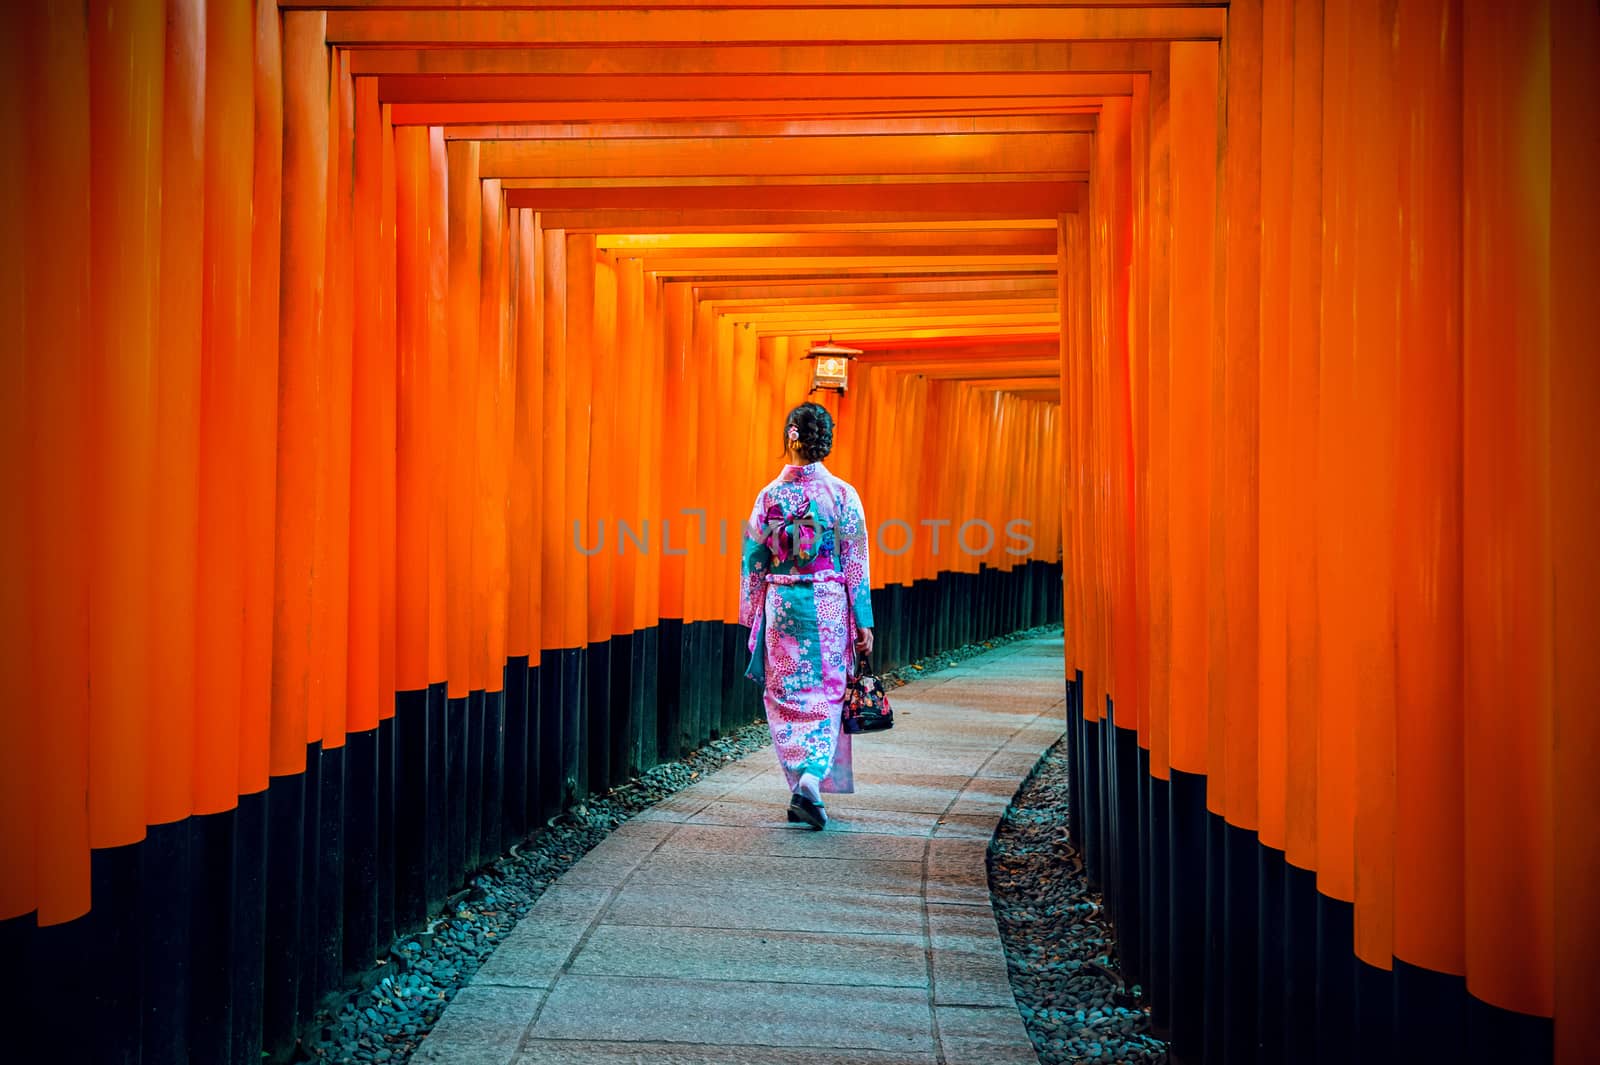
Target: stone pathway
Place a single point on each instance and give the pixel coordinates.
(707, 929)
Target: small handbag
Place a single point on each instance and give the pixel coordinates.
(866, 704)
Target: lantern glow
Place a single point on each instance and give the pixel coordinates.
(831, 371)
(830, 366)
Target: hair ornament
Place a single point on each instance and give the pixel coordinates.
(794, 433)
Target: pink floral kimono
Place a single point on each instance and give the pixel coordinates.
(805, 592)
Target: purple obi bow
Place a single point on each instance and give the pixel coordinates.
(791, 536)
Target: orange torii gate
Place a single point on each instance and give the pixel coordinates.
(344, 330)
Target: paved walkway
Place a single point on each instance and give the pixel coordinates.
(709, 930)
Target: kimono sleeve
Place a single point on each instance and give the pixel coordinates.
(853, 558)
(755, 564)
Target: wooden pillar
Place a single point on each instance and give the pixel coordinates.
(1155, 443)
(465, 237)
(1508, 591)
(259, 416)
(56, 231)
(226, 343)
(367, 381)
(1574, 396)
(494, 410)
(1427, 792)
(126, 43)
(330, 619)
(1193, 162)
(414, 441)
(18, 786)
(169, 600)
(436, 382)
(1301, 687)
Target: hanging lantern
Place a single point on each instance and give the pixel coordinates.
(830, 366)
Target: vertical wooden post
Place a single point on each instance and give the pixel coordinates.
(1575, 521)
(465, 237)
(1509, 588)
(169, 599)
(54, 207)
(126, 43)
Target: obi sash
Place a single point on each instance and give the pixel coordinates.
(757, 669)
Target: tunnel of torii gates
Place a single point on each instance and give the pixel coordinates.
(328, 328)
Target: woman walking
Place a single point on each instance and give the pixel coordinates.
(806, 600)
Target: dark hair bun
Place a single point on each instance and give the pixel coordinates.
(816, 430)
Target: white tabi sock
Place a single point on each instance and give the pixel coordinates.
(809, 782)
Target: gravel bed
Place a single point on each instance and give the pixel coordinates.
(385, 1019)
(1060, 948)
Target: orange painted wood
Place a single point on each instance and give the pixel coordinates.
(126, 45)
(775, 59)
(569, 26)
(1114, 196)
(1025, 198)
(1509, 592)
(536, 378)
(1241, 359)
(259, 414)
(1575, 518)
(575, 397)
(436, 381)
(631, 358)
(219, 614)
(519, 504)
(554, 563)
(1138, 394)
(1193, 209)
(175, 491)
(480, 113)
(413, 437)
(1156, 443)
(662, 26)
(1302, 693)
(599, 358)
(722, 438)
(891, 245)
(632, 220)
(1072, 622)
(494, 409)
(743, 440)
(18, 756)
(388, 489)
(1337, 623)
(676, 402)
(1427, 794)
(525, 485)
(1378, 253)
(330, 619)
(305, 191)
(981, 153)
(640, 90)
(652, 451)
(401, 5)
(367, 382)
(461, 478)
(56, 230)
(755, 127)
(699, 368)
(1276, 473)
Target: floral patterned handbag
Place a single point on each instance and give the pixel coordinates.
(866, 705)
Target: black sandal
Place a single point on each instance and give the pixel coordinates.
(803, 810)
